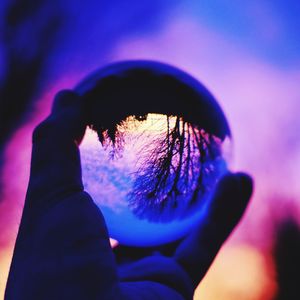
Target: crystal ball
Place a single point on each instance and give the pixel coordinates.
(155, 146)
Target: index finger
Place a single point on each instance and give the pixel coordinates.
(55, 161)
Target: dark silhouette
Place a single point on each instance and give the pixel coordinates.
(62, 249)
(142, 87)
(28, 34)
(287, 260)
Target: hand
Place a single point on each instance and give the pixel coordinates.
(62, 249)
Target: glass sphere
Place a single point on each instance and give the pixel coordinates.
(155, 146)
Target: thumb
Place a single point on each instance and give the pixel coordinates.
(198, 250)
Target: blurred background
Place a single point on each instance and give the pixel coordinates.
(248, 55)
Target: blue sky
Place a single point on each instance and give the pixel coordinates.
(269, 29)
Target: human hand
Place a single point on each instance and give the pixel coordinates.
(62, 249)
(194, 254)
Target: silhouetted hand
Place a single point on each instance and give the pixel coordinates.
(62, 249)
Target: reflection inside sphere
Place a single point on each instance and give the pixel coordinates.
(152, 175)
(153, 151)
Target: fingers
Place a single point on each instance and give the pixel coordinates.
(160, 270)
(198, 250)
(55, 162)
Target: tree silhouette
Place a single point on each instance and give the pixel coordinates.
(174, 172)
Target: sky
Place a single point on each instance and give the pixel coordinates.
(246, 53)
